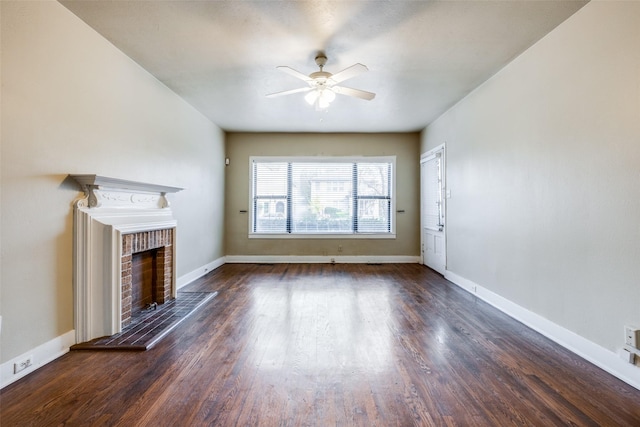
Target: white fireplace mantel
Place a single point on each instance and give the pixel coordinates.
(110, 208)
(102, 190)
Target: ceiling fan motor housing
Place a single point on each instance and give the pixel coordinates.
(320, 77)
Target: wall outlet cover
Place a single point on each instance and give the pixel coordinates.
(631, 336)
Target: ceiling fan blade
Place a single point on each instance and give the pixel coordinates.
(288, 92)
(362, 94)
(294, 73)
(349, 72)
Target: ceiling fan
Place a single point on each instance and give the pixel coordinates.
(323, 85)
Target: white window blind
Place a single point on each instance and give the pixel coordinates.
(374, 198)
(332, 196)
(270, 200)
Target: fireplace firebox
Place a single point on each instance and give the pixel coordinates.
(147, 260)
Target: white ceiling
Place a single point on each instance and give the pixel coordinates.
(423, 56)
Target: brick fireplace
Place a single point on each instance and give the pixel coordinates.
(160, 244)
(115, 220)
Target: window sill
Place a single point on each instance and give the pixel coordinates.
(324, 236)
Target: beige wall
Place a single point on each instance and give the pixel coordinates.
(240, 146)
(72, 103)
(543, 164)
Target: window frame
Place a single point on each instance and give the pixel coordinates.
(391, 234)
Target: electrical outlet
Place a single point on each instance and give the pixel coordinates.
(340, 248)
(631, 336)
(23, 364)
(333, 260)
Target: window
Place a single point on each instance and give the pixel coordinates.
(432, 204)
(322, 196)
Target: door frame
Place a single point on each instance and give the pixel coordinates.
(424, 157)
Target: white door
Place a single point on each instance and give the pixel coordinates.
(434, 253)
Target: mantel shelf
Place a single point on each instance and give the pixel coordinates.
(91, 182)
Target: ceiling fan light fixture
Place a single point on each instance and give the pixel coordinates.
(320, 97)
(322, 104)
(311, 97)
(327, 94)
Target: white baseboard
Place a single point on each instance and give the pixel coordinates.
(588, 350)
(316, 259)
(185, 279)
(42, 355)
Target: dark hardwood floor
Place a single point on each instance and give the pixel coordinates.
(327, 345)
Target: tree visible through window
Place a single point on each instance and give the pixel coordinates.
(332, 196)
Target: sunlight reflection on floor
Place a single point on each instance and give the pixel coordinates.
(321, 327)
